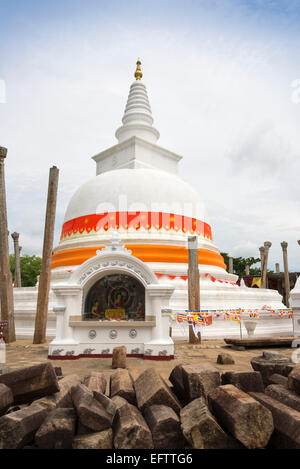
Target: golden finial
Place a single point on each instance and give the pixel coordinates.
(138, 73)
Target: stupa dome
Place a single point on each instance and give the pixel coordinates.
(136, 190)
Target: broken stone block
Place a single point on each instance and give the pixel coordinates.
(277, 363)
(165, 427)
(31, 382)
(95, 381)
(286, 422)
(278, 379)
(130, 428)
(6, 398)
(99, 440)
(199, 380)
(200, 428)
(121, 384)
(63, 397)
(18, 428)
(244, 380)
(192, 381)
(284, 395)
(246, 419)
(119, 357)
(57, 431)
(94, 411)
(294, 380)
(274, 356)
(151, 389)
(225, 359)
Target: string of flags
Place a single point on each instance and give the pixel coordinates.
(185, 277)
(204, 317)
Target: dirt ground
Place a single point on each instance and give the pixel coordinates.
(22, 353)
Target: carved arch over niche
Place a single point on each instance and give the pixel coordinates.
(106, 262)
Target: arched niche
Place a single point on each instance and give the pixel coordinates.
(117, 296)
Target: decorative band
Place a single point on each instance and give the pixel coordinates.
(185, 277)
(100, 355)
(144, 252)
(136, 221)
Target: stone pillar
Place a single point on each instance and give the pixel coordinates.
(247, 269)
(193, 283)
(284, 246)
(230, 265)
(277, 268)
(6, 287)
(262, 257)
(44, 281)
(267, 245)
(18, 282)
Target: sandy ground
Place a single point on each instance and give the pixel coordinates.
(22, 353)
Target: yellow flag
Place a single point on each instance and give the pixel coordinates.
(256, 281)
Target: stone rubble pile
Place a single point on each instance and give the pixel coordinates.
(201, 409)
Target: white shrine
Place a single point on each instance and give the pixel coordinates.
(122, 257)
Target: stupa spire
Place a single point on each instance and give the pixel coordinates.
(138, 73)
(137, 119)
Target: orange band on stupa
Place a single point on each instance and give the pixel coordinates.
(144, 252)
(135, 220)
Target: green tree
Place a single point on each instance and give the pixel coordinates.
(239, 264)
(30, 269)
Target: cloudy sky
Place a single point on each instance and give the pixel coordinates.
(223, 79)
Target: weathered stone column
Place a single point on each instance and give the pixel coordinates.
(44, 280)
(17, 279)
(247, 269)
(6, 287)
(193, 283)
(277, 268)
(262, 257)
(230, 267)
(284, 246)
(267, 245)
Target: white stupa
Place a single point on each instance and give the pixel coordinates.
(138, 194)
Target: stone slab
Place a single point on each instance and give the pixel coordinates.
(151, 389)
(130, 428)
(57, 431)
(260, 342)
(244, 380)
(31, 382)
(18, 428)
(164, 424)
(121, 384)
(286, 422)
(240, 414)
(284, 395)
